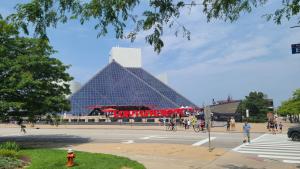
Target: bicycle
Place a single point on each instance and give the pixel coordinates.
(197, 128)
(170, 127)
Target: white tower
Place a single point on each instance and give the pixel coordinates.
(163, 77)
(127, 57)
(74, 86)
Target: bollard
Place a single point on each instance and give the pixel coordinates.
(70, 157)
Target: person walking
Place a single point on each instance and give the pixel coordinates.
(188, 124)
(181, 122)
(276, 124)
(202, 124)
(246, 131)
(272, 126)
(228, 124)
(23, 129)
(268, 125)
(232, 123)
(172, 124)
(164, 121)
(194, 120)
(280, 127)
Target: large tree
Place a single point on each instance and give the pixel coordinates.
(116, 15)
(292, 105)
(257, 104)
(31, 81)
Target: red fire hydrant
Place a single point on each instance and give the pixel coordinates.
(70, 157)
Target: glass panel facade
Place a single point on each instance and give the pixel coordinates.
(116, 85)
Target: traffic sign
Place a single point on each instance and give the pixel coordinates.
(247, 113)
(295, 48)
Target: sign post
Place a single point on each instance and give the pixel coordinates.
(295, 48)
(247, 113)
(207, 113)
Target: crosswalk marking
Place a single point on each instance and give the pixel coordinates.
(282, 142)
(276, 145)
(272, 147)
(155, 137)
(291, 161)
(267, 150)
(281, 157)
(203, 141)
(128, 142)
(270, 153)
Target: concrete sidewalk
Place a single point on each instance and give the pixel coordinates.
(158, 156)
(164, 156)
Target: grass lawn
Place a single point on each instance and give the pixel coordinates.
(56, 159)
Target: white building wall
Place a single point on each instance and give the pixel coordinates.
(127, 57)
(163, 77)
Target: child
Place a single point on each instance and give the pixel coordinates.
(280, 127)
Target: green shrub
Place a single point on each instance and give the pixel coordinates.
(255, 119)
(10, 146)
(8, 153)
(10, 163)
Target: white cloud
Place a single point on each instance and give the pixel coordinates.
(244, 49)
(223, 59)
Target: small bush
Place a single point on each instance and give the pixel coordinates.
(256, 120)
(8, 153)
(10, 146)
(10, 163)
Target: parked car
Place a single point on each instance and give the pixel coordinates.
(294, 133)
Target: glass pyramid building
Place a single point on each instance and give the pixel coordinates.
(123, 86)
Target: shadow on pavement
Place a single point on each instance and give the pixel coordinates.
(231, 166)
(45, 141)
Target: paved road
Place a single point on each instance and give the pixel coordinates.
(63, 137)
(251, 156)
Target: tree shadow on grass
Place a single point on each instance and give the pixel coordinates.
(231, 166)
(45, 141)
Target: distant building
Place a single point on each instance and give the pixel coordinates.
(224, 109)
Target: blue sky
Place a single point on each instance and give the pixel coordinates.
(221, 58)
